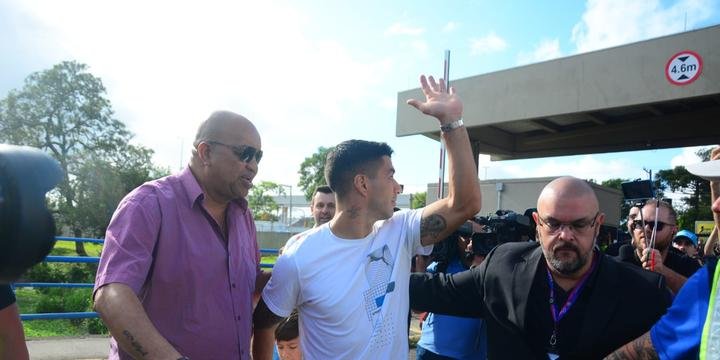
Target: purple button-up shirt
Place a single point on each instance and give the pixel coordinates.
(164, 244)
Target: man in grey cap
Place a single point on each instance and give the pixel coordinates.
(689, 330)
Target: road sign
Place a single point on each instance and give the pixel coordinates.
(683, 68)
(704, 228)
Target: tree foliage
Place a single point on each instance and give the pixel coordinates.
(312, 172)
(261, 202)
(101, 185)
(64, 111)
(418, 200)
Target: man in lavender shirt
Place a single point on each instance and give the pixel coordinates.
(181, 262)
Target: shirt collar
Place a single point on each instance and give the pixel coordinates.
(195, 193)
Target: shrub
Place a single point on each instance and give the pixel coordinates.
(96, 327)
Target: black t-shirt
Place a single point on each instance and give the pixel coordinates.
(679, 263)
(539, 321)
(7, 296)
(614, 248)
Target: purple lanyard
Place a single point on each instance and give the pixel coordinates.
(557, 316)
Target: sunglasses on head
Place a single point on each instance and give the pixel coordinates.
(244, 153)
(637, 224)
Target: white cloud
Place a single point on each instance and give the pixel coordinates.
(450, 26)
(545, 50)
(401, 28)
(584, 167)
(607, 23)
(165, 77)
(490, 43)
(687, 157)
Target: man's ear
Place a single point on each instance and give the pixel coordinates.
(203, 151)
(360, 183)
(598, 223)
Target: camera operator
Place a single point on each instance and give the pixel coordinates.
(27, 231)
(445, 336)
(557, 297)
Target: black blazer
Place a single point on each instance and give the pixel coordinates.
(625, 301)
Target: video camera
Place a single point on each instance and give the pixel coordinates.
(502, 227)
(27, 229)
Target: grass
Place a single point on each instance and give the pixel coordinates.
(67, 248)
(27, 300)
(52, 328)
(268, 259)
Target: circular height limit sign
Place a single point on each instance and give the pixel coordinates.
(683, 68)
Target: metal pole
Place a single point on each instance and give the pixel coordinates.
(441, 177)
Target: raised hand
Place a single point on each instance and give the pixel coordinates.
(443, 105)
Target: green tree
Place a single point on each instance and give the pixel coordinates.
(312, 172)
(261, 202)
(614, 183)
(696, 191)
(101, 184)
(418, 200)
(64, 111)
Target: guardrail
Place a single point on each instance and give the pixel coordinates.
(81, 259)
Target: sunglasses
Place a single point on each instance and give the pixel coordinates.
(637, 224)
(244, 153)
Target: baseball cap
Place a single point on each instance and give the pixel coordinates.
(708, 170)
(687, 234)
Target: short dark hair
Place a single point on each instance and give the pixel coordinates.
(288, 328)
(351, 157)
(323, 189)
(663, 204)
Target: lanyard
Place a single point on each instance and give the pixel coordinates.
(574, 294)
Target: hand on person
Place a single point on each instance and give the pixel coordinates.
(652, 260)
(439, 103)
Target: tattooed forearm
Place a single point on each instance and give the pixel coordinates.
(135, 344)
(640, 348)
(432, 226)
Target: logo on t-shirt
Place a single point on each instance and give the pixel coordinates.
(378, 269)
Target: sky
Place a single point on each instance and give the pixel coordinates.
(314, 73)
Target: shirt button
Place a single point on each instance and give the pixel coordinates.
(233, 285)
(238, 317)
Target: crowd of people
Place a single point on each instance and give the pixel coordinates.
(180, 277)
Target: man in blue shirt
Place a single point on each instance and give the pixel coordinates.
(454, 337)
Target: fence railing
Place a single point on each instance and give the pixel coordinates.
(81, 259)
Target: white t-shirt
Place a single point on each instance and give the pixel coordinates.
(352, 295)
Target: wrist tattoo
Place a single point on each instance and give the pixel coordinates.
(135, 344)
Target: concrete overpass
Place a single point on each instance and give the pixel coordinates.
(617, 99)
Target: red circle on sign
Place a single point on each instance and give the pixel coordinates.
(693, 78)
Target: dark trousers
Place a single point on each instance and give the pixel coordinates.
(422, 353)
